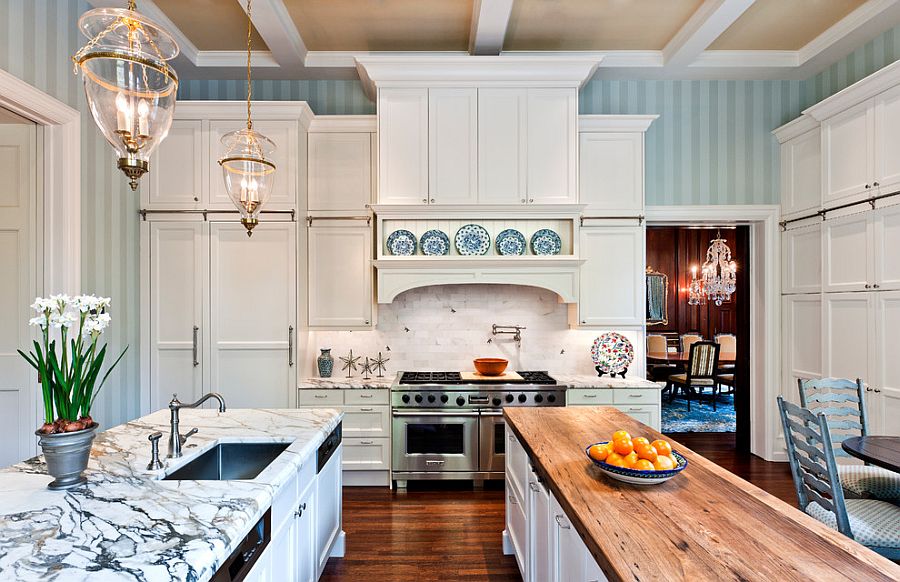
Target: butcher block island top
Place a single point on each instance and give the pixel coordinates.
(705, 524)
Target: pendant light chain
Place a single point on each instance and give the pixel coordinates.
(249, 47)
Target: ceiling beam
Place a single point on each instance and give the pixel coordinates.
(152, 11)
(702, 28)
(277, 28)
(489, 21)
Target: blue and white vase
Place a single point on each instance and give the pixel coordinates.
(325, 362)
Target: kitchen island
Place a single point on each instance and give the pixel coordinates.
(126, 523)
(704, 524)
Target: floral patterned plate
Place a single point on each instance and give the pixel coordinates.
(546, 242)
(472, 239)
(612, 353)
(510, 242)
(435, 242)
(402, 243)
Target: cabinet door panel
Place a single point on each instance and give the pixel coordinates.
(540, 525)
(801, 166)
(648, 414)
(612, 278)
(802, 340)
(516, 527)
(802, 260)
(282, 550)
(886, 243)
(340, 171)
(847, 147)
(452, 145)
(885, 409)
(328, 507)
(611, 180)
(846, 245)
(552, 143)
(502, 146)
(340, 276)
(304, 555)
(177, 273)
(176, 179)
(568, 549)
(252, 304)
(367, 421)
(403, 146)
(848, 333)
(887, 139)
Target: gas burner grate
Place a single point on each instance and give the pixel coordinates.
(431, 378)
(538, 377)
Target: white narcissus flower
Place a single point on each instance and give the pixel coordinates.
(42, 305)
(58, 320)
(39, 321)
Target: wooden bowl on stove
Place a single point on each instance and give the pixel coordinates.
(490, 366)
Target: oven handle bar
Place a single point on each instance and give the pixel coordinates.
(432, 413)
(491, 413)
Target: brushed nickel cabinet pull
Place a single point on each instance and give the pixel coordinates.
(366, 395)
(513, 500)
(366, 409)
(290, 345)
(561, 523)
(196, 352)
(367, 442)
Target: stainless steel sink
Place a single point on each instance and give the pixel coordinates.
(227, 461)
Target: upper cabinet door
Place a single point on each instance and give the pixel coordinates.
(802, 260)
(502, 146)
(174, 180)
(884, 253)
(846, 260)
(403, 146)
(801, 173)
(552, 143)
(285, 157)
(847, 144)
(340, 298)
(611, 173)
(452, 145)
(887, 139)
(848, 329)
(612, 277)
(340, 172)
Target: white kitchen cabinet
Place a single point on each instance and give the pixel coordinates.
(611, 173)
(340, 275)
(884, 255)
(568, 552)
(340, 171)
(540, 531)
(801, 340)
(884, 390)
(801, 173)
(846, 242)
(552, 142)
(453, 145)
(175, 181)
(848, 169)
(887, 140)
(801, 263)
(328, 511)
(283, 548)
(502, 146)
(642, 404)
(848, 334)
(645, 413)
(403, 146)
(612, 278)
(305, 566)
(253, 313)
(517, 528)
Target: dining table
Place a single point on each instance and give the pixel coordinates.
(883, 451)
(684, 357)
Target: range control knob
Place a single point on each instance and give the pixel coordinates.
(551, 398)
(496, 401)
(538, 398)
(509, 397)
(460, 400)
(431, 398)
(444, 398)
(405, 398)
(418, 398)
(522, 398)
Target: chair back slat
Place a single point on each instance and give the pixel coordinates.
(704, 360)
(831, 397)
(834, 411)
(842, 401)
(815, 473)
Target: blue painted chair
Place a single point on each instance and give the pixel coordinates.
(844, 405)
(871, 522)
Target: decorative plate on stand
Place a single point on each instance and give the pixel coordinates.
(434, 243)
(510, 242)
(546, 242)
(472, 239)
(612, 353)
(402, 243)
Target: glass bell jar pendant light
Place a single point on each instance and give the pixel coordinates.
(246, 166)
(129, 85)
(719, 271)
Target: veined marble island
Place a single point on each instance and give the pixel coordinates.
(127, 523)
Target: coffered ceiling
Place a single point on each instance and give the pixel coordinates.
(724, 39)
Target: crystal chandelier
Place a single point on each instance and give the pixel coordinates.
(129, 85)
(249, 173)
(695, 290)
(719, 271)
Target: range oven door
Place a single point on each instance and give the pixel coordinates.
(434, 441)
(492, 457)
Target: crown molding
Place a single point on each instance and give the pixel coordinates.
(237, 59)
(344, 124)
(795, 128)
(299, 110)
(615, 123)
(878, 82)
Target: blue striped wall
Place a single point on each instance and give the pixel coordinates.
(324, 97)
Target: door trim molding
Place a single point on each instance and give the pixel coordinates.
(765, 307)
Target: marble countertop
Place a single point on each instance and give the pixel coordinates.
(564, 380)
(125, 523)
(356, 383)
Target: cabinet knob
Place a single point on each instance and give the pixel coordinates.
(876, 390)
(531, 200)
(196, 199)
(523, 201)
(424, 200)
(367, 322)
(868, 286)
(875, 183)
(432, 201)
(876, 286)
(868, 389)
(868, 186)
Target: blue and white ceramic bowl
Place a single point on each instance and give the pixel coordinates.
(546, 242)
(402, 243)
(635, 477)
(510, 242)
(434, 243)
(472, 239)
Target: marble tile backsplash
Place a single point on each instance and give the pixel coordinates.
(444, 327)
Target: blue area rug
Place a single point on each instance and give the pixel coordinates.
(701, 418)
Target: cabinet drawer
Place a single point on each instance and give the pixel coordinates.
(367, 421)
(646, 414)
(362, 454)
(635, 396)
(321, 397)
(365, 397)
(589, 397)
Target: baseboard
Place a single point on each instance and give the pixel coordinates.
(507, 545)
(339, 547)
(366, 478)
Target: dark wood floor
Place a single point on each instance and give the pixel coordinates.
(446, 531)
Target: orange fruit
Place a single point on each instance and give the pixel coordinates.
(644, 465)
(663, 463)
(645, 451)
(615, 459)
(620, 434)
(640, 441)
(599, 452)
(630, 459)
(623, 446)
(662, 447)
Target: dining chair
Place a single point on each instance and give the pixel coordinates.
(843, 403)
(871, 522)
(700, 374)
(656, 343)
(688, 339)
(659, 372)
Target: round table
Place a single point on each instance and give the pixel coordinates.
(883, 451)
(683, 357)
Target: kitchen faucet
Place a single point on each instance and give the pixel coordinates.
(176, 440)
(515, 330)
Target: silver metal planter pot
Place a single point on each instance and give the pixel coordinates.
(67, 456)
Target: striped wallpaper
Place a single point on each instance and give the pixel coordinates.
(324, 97)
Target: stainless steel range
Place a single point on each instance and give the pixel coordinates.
(446, 426)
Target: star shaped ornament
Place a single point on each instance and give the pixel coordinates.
(349, 363)
(378, 365)
(367, 369)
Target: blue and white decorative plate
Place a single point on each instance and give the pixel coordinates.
(472, 239)
(546, 242)
(402, 243)
(435, 242)
(634, 476)
(510, 242)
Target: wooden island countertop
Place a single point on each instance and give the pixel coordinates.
(705, 524)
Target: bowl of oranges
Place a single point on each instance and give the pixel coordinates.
(637, 461)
